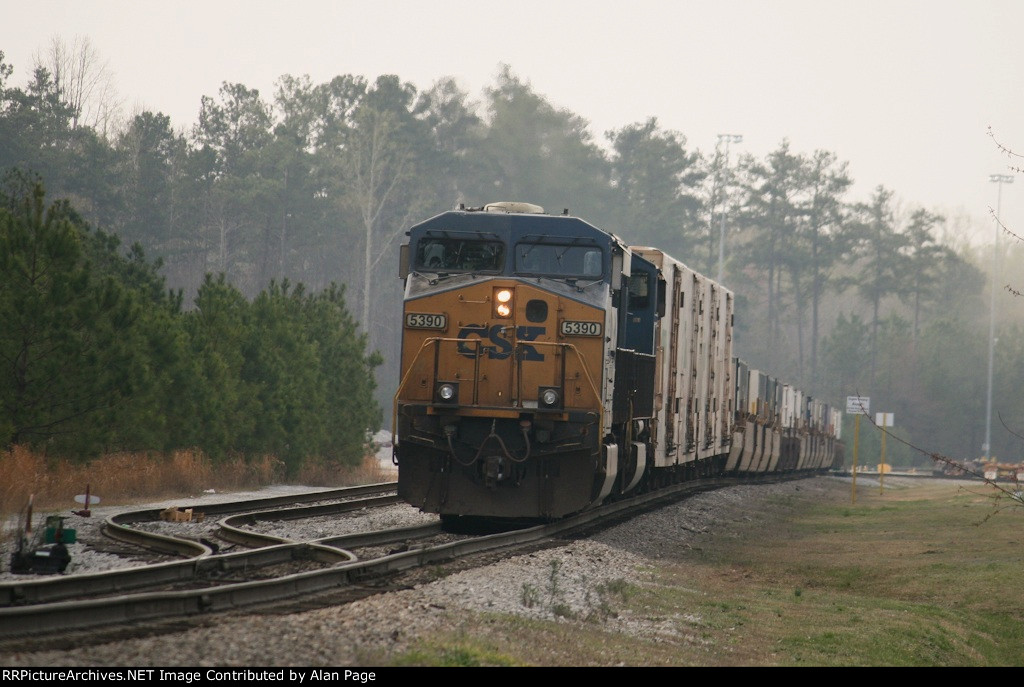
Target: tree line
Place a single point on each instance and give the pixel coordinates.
(97, 355)
(317, 183)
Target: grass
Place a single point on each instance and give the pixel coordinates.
(462, 654)
(920, 576)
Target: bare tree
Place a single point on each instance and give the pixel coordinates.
(1015, 158)
(378, 168)
(1008, 152)
(85, 81)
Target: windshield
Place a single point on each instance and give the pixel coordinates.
(559, 261)
(460, 255)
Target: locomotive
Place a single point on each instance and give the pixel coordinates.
(547, 367)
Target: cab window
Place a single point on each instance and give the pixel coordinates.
(553, 260)
(459, 255)
(639, 291)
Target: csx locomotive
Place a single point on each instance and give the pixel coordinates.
(547, 366)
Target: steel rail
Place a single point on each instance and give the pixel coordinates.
(328, 550)
(229, 507)
(233, 528)
(154, 541)
(195, 571)
(33, 591)
(381, 537)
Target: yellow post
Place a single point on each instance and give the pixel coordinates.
(856, 438)
(881, 466)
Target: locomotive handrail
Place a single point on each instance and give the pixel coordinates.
(586, 372)
(438, 340)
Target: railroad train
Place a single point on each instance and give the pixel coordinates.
(547, 367)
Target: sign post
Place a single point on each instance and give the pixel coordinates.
(857, 406)
(856, 438)
(883, 420)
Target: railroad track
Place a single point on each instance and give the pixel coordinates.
(206, 583)
(122, 526)
(199, 562)
(861, 474)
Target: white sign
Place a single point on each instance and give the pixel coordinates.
(858, 404)
(884, 419)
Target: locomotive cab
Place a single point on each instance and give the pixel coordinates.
(500, 407)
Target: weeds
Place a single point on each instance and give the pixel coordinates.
(617, 590)
(597, 600)
(463, 655)
(563, 610)
(617, 587)
(128, 477)
(554, 590)
(530, 597)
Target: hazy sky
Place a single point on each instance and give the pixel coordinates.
(903, 90)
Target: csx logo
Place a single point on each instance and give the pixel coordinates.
(502, 347)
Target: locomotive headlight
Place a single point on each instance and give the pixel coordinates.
(503, 303)
(447, 392)
(549, 397)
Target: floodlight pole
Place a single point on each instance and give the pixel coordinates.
(998, 179)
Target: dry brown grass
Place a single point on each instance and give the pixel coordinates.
(124, 478)
(322, 473)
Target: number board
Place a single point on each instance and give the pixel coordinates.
(420, 320)
(576, 328)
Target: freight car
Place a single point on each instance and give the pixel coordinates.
(547, 366)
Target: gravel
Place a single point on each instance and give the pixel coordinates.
(569, 583)
(362, 520)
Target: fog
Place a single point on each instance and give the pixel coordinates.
(904, 91)
(908, 101)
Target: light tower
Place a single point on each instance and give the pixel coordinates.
(998, 179)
